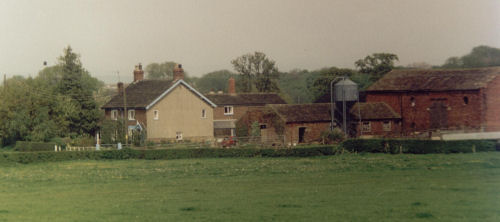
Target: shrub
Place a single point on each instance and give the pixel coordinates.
(335, 136)
(27, 146)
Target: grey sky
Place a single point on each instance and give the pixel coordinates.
(205, 36)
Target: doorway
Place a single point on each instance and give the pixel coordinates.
(302, 132)
(438, 115)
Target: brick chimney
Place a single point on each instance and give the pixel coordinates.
(178, 72)
(120, 88)
(231, 87)
(138, 73)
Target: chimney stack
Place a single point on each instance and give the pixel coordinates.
(138, 73)
(231, 88)
(178, 72)
(120, 88)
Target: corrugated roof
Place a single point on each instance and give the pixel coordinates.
(248, 99)
(317, 112)
(435, 79)
(373, 110)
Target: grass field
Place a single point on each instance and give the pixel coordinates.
(371, 187)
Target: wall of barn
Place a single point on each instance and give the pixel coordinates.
(464, 110)
(312, 132)
(377, 129)
(492, 105)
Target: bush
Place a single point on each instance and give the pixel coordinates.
(27, 146)
(417, 146)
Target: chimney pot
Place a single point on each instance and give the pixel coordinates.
(178, 72)
(138, 73)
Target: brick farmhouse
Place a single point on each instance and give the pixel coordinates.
(232, 106)
(166, 109)
(444, 100)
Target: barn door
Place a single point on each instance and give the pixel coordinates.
(438, 115)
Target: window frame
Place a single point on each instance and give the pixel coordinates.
(203, 113)
(386, 126)
(156, 114)
(228, 110)
(364, 129)
(131, 117)
(114, 114)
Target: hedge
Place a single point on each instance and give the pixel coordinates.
(31, 157)
(26, 146)
(417, 146)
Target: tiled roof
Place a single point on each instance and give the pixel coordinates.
(248, 99)
(435, 79)
(317, 112)
(373, 110)
(146, 92)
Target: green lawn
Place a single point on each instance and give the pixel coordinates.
(371, 187)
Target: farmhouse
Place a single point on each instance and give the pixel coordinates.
(232, 106)
(375, 119)
(289, 123)
(166, 109)
(447, 100)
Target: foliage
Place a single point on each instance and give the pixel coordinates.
(320, 86)
(332, 136)
(85, 119)
(376, 65)
(293, 86)
(214, 81)
(163, 70)
(112, 131)
(26, 146)
(255, 131)
(480, 56)
(241, 128)
(417, 146)
(256, 70)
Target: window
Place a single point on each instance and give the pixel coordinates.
(386, 125)
(412, 101)
(203, 113)
(228, 110)
(366, 127)
(131, 114)
(114, 114)
(466, 100)
(178, 135)
(156, 115)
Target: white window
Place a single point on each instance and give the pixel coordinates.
(366, 127)
(386, 125)
(178, 135)
(114, 114)
(131, 114)
(156, 115)
(228, 110)
(203, 113)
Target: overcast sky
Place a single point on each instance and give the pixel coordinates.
(114, 35)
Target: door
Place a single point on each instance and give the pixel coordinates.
(302, 132)
(438, 115)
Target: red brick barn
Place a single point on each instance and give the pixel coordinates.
(445, 99)
(290, 123)
(375, 119)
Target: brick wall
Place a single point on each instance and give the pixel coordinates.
(418, 117)
(312, 132)
(378, 130)
(238, 112)
(492, 105)
(140, 115)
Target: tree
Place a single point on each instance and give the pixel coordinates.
(319, 82)
(74, 85)
(217, 80)
(376, 65)
(163, 70)
(480, 56)
(257, 70)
